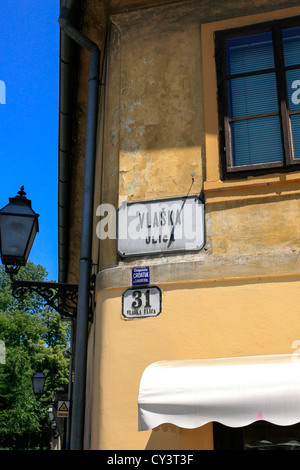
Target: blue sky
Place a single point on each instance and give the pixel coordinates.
(29, 66)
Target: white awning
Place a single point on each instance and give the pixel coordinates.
(233, 391)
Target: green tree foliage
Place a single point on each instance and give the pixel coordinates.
(34, 337)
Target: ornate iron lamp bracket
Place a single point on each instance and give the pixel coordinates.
(61, 297)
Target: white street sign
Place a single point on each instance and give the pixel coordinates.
(153, 227)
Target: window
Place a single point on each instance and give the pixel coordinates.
(258, 72)
(260, 435)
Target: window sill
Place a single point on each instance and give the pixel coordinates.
(277, 185)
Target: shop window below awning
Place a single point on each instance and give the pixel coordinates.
(232, 391)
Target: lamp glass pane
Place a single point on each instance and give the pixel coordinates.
(15, 232)
(31, 239)
(38, 382)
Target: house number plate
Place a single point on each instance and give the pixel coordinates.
(141, 302)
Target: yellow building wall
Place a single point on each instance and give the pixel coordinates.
(238, 296)
(198, 320)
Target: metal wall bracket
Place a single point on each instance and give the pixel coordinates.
(61, 297)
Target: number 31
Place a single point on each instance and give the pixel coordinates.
(137, 295)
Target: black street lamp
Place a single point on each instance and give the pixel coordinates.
(38, 382)
(18, 228)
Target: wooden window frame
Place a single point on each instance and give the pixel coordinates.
(289, 163)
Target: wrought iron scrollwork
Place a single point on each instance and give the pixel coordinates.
(61, 297)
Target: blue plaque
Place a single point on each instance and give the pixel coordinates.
(140, 276)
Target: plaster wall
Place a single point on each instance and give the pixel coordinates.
(235, 297)
(198, 320)
(160, 125)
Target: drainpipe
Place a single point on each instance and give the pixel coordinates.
(79, 388)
